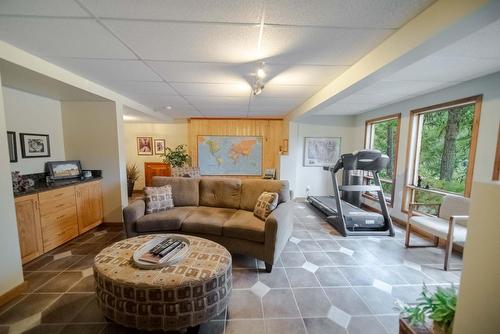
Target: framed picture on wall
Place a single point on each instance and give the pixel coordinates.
(145, 145)
(11, 142)
(159, 146)
(34, 145)
(321, 151)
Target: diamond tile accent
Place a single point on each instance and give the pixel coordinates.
(295, 240)
(339, 317)
(346, 251)
(260, 289)
(412, 265)
(310, 267)
(381, 285)
(62, 255)
(87, 272)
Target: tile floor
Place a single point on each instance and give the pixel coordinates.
(323, 283)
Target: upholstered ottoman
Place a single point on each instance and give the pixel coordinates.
(189, 293)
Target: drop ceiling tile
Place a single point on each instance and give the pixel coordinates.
(155, 101)
(201, 101)
(262, 101)
(108, 71)
(188, 42)
(267, 113)
(202, 89)
(307, 74)
(180, 10)
(272, 90)
(45, 7)
(268, 110)
(346, 108)
(62, 38)
(224, 113)
(199, 72)
(342, 13)
(451, 69)
(319, 46)
(132, 88)
(223, 109)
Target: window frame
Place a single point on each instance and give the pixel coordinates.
(367, 144)
(413, 146)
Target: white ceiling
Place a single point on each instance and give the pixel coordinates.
(474, 56)
(199, 56)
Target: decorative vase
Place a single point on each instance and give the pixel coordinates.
(130, 187)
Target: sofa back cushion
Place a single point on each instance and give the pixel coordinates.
(220, 192)
(252, 188)
(185, 190)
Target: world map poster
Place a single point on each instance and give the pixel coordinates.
(230, 155)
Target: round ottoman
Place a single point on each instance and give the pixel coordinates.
(189, 293)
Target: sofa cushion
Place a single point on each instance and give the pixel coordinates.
(169, 220)
(244, 225)
(158, 198)
(220, 192)
(266, 203)
(206, 220)
(252, 188)
(185, 191)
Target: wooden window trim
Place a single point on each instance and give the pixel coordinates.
(496, 167)
(368, 125)
(409, 187)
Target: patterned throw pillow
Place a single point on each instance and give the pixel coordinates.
(158, 198)
(266, 203)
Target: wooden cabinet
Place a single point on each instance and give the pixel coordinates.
(155, 169)
(49, 219)
(28, 227)
(89, 205)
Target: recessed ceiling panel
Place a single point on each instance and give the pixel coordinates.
(43, 8)
(62, 37)
(202, 89)
(155, 101)
(200, 101)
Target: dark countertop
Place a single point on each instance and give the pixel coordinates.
(38, 188)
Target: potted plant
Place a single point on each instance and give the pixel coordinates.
(438, 307)
(132, 176)
(177, 157)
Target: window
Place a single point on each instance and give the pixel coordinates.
(383, 134)
(441, 150)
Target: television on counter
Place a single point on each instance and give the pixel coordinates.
(61, 170)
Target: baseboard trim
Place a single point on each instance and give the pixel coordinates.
(13, 293)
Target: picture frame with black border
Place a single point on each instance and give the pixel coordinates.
(159, 146)
(12, 143)
(34, 145)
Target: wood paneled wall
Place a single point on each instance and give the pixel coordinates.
(271, 131)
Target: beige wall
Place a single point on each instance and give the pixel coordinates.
(91, 134)
(11, 273)
(477, 309)
(173, 133)
(29, 113)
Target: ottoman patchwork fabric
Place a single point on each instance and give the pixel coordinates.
(186, 294)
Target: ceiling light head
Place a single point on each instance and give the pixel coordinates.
(168, 107)
(261, 74)
(257, 88)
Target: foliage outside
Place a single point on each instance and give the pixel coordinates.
(132, 173)
(177, 157)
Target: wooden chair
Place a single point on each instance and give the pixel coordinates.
(449, 225)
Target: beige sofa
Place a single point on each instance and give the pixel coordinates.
(219, 209)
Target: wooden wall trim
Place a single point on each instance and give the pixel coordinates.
(496, 167)
(13, 293)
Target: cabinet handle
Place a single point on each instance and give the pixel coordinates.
(59, 217)
(59, 205)
(36, 205)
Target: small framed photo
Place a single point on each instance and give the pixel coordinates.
(145, 145)
(159, 146)
(11, 142)
(34, 145)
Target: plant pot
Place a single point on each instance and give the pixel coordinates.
(130, 187)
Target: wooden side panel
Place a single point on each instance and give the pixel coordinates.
(155, 169)
(29, 229)
(271, 131)
(89, 205)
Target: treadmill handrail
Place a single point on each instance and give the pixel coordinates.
(359, 188)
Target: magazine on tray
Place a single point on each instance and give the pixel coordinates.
(163, 251)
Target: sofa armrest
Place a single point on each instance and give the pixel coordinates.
(131, 214)
(278, 229)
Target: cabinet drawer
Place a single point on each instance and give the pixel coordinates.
(53, 239)
(55, 195)
(58, 219)
(55, 207)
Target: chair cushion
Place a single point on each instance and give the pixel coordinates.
(169, 220)
(454, 205)
(244, 225)
(252, 188)
(220, 192)
(158, 198)
(439, 227)
(185, 191)
(207, 220)
(266, 203)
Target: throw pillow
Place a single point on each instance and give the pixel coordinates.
(158, 198)
(266, 203)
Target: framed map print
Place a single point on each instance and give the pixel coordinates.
(321, 151)
(230, 155)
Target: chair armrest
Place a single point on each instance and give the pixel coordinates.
(414, 206)
(131, 214)
(459, 219)
(278, 229)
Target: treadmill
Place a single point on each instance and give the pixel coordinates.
(343, 211)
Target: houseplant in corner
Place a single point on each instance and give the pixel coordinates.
(438, 306)
(132, 176)
(177, 157)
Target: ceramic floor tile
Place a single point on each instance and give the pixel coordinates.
(38, 278)
(275, 279)
(346, 299)
(378, 301)
(318, 258)
(66, 307)
(27, 307)
(341, 259)
(300, 277)
(245, 327)
(292, 260)
(356, 276)
(280, 303)
(365, 325)
(322, 326)
(244, 278)
(288, 326)
(244, 305)
(312, 302)
(62, 282)
(331, 276)
(390, 323)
